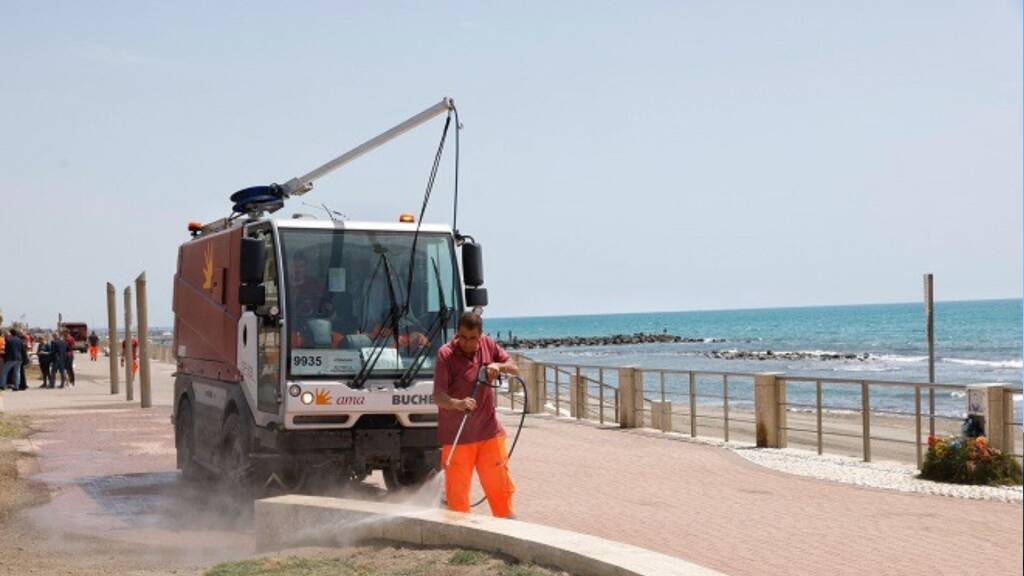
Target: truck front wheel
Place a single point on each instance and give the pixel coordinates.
(234, 457)
(395, 478)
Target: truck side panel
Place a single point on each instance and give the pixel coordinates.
(206, 309)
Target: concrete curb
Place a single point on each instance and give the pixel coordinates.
(295, 520)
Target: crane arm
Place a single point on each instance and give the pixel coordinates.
(302, 184)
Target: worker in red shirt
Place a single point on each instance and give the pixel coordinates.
(482, 443)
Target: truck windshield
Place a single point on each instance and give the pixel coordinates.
(340, 286)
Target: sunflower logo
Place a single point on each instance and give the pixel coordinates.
(208, 267)
(322, 397)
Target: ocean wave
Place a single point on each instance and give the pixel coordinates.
(989, 363)
(898, 358)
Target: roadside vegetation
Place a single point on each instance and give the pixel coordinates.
(381, 560)
(17, 493)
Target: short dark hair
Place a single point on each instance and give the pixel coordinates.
(471, 321)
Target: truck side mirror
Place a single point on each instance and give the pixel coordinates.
(476, 297)
(252, 260)
(253, 295)
(472, 264)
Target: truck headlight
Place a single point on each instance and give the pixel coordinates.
(294, 390)
(307, 398)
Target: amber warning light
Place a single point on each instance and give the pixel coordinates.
(406, 218)
(195, 226)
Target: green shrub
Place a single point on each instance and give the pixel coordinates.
(969, 461)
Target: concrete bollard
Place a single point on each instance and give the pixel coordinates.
(577, 401)
(631, 396)
(112, 336)
(661, 416)
(995, 403)
(769, 415)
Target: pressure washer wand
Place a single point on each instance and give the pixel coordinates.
(481, 377)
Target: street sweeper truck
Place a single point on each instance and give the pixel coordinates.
(305, 346)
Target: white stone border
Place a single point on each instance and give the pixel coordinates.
(295, 520)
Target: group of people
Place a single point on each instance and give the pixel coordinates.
(56, 354)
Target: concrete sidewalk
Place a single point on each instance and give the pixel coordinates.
(699, 503)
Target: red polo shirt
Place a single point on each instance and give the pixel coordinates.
(454, 374)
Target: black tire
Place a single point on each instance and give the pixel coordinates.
(184, 435)
(407, 477)
(235, 463)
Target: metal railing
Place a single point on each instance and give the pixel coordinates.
(865, 412)
(722, 404)
(705, 408)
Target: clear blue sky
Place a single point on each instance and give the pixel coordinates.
(616, 156)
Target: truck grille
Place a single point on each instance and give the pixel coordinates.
(325, 419)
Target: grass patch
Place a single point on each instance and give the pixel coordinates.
(522, 570)
(12, 427)
(467, 558)
(290, 566)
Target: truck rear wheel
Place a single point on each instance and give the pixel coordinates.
(185, 444)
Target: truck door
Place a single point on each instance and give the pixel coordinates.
(262, 342)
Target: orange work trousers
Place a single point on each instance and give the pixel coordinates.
(490, 458)
(94, 352)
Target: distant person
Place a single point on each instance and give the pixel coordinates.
(94, 346)
(58, 360)
(70, 362)
(135, 354)
(15, 356)
(43, 354)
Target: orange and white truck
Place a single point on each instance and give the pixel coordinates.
(305, 346)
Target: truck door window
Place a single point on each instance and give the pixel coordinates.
(269, 352)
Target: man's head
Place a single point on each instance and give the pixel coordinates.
(470, 328)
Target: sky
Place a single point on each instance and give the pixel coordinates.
(616, 157)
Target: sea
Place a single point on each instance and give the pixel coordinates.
(975, 342)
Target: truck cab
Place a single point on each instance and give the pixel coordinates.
(305, 348)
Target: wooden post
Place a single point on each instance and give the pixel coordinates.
(769, 414)
(929, 312)
(112, 336)
(129, 355)
(140, 303)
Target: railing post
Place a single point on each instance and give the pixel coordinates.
(995, 403)
(817, 391)
(661, 416)
(865, 398)
(769, 415)
(533, 385)
(558, 391)
(631, 390)
(142, 306)
(693, 405)
(725, 406)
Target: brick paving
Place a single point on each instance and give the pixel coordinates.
(700, 503)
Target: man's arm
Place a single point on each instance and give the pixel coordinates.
(503, 365)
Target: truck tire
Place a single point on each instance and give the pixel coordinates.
(396, 479)
(235, 463)
(185, 444)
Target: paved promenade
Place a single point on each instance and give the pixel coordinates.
(700, 503)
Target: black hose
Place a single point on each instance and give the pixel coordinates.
(519, 429)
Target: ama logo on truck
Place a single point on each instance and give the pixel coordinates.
(323, 397)
(208, 268)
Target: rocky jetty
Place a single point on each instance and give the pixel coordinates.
(614, 340)
(784, 355)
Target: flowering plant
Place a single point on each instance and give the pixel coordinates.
(968, 461)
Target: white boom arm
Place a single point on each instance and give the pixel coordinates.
(302, 184)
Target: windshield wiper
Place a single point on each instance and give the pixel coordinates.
(439, 323)
(380, 340)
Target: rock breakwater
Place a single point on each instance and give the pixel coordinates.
(613, 340)
(785, 355)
